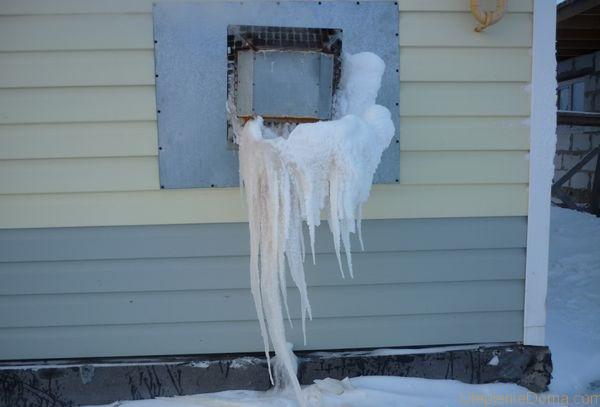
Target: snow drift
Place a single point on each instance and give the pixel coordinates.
(290, 175)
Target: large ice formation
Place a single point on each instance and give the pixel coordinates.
(290, 175)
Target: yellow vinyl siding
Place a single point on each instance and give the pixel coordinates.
(463, 99)
(206, 205)
(135, 103)
(77, 104)
(136, 67)
(84, 32)
(78, 132)
(134, 31)
(73, 140)
(464, 133)
(131, 139)
(464, 64)
(440, 29)
(76, 68)
(141, 173)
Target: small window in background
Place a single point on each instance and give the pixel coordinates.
(578, 96)
(571, 95)
(564, 98)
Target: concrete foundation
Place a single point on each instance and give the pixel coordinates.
(85, 382)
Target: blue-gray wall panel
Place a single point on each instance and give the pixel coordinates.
(20, 311)
(213, 273)
(231, 239)
(176, 289)
(244, 336)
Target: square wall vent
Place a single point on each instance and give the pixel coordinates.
(284, 74)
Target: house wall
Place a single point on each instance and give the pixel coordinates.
(184, 289)
(78, 129)
(98, 261)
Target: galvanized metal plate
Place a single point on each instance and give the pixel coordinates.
(191, 84)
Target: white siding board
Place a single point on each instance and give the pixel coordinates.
(543, 146)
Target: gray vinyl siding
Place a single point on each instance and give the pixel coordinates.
(184, 289)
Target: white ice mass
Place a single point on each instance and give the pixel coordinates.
(290, 175)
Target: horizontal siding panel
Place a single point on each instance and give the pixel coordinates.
(136, 67)
(76, 32)
(23, 311)
(131, 139)
(464, 167)
(244, 336)
(465, 64)
(442, 29)
(72, 140)
(134, 31)
(16, 7)
(141, 173)
(76, 68)
(464, 133)
(464, 99)
(458, 5)
(134, 103)
(77, 104)
(231, 239)
(216, 273)
(78, 175)
(226, 205)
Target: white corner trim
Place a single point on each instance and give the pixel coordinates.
(541, 169)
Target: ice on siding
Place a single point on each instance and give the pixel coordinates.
(290, 175)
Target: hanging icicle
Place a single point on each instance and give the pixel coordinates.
(291, 175)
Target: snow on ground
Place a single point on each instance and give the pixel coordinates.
(573, 334)
(573, 326)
